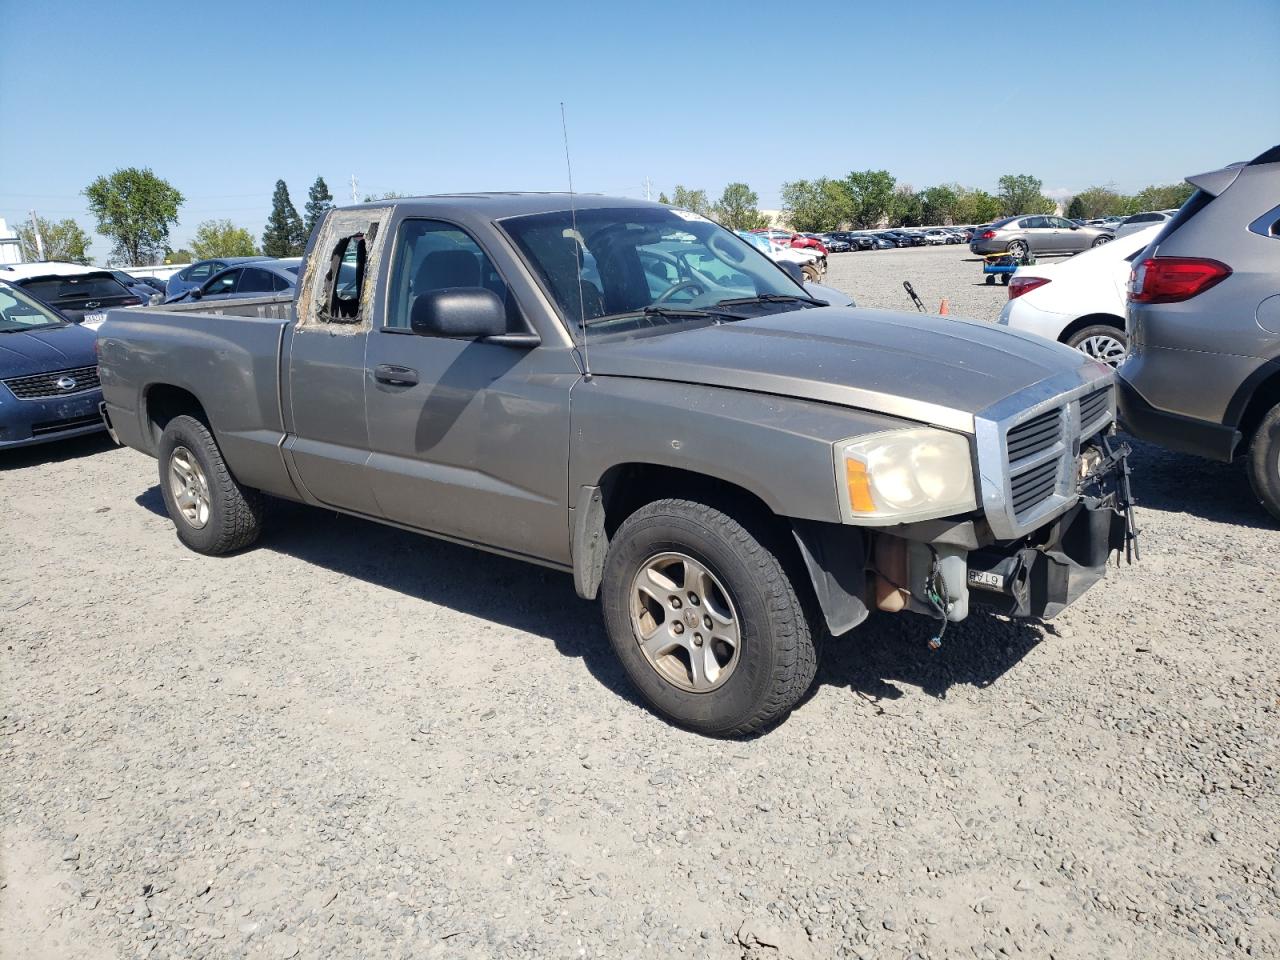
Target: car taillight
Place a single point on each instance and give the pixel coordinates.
(1020, 285)
(1173, 279)
(988, 235)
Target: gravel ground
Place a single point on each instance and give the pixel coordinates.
(352, 742)
(874, 279)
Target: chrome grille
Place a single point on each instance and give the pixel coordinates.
(1028, 448)
(41, 386)
(1034, 486)
(1035, 436)
(1093, 408)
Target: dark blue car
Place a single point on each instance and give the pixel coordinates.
(48, 373)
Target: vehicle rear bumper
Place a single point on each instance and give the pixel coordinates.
(24, 423)
(1185, 434)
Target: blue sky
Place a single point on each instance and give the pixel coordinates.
(430, 97)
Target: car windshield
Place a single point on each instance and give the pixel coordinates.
(20, 312)
(620, 263)
(78, 287)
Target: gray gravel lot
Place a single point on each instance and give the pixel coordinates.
(353, 742)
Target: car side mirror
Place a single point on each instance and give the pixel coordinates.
(196, 293)
(460, 313)
(793, 271)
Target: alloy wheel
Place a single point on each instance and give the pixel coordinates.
(189, 487)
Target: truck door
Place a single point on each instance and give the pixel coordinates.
(469, 438)
(329, 443)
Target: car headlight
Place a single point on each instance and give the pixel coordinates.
(914, 474)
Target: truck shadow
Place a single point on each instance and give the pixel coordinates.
(875, 661)
(56, 452)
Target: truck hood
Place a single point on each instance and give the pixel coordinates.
(43, 351)
(919, 367)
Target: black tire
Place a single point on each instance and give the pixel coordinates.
(1101, 240)
(1077, 340)
(1017, 248)
(991, 278)
(1004, 279)
(777, 655)
(235, 512)
(1264, 462)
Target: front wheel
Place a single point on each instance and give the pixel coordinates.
(212, 512)
(1101, 240)
(1102, 342)
(1264, 462)
(811, 273)
(706, 620)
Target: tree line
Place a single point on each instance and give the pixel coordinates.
(135, 209)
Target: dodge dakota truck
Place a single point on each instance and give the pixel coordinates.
(632, 394)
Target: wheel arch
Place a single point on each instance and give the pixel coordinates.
(1091, 320)
(161, 402)
(1254, 401)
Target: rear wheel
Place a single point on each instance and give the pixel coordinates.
(810, 273)
(706, 620)
(1264, 462)
(212, 512)
(1017, 248)
(1101, 240)
(1102, 342)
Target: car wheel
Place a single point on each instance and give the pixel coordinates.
(810, 273)
(1264, 462)
(1102, 342)
(705, 619)
(1017, 248)
(1099, 241)
(212, 512)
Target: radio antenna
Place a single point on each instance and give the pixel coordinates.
(577, 246)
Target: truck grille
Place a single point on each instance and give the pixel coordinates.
(41, 386)
(1037, 456)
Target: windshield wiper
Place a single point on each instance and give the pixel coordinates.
(670, 313)
(772, 298)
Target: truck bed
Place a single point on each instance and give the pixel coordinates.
(225, 353)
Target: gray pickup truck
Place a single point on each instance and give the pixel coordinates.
(630, 393)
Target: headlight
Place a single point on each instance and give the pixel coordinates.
(903, 475)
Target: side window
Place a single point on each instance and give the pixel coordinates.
(345, 280)
(199, 273)
(1034, 223)
(253, 280)
(278, 283)
(223, 283)
(433, 255)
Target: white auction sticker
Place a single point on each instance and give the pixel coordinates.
(687, 215)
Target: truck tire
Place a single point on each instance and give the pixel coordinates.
(811, 273)
(1264, 462)
(213, 514)
(706, 620)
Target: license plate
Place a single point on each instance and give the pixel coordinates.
(986, 578)
(94, 320)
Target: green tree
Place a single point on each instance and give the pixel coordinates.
(1094, 202)
(222, 238)
(1020, 193)
(178, 256)
(737, 208)
(939, 204)
(1165, 197)
(135, 209)
(1076, 209)
(285, 235)
(815, 205)
(59, 239)
(695, 201)
(663, 198)
(870, 196)
(319, 201)
(908, 209)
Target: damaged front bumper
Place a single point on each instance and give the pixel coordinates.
(941, 570)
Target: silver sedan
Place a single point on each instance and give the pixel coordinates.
(1027, 234)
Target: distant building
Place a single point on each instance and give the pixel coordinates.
(10, 247)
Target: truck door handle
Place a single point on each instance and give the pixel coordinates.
(395, 375)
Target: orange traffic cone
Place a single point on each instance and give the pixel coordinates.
(944, 308)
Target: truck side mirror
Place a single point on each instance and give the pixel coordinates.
(460, 313)
(792, 270)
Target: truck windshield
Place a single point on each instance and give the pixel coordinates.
(620, 262)
(20, 312)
